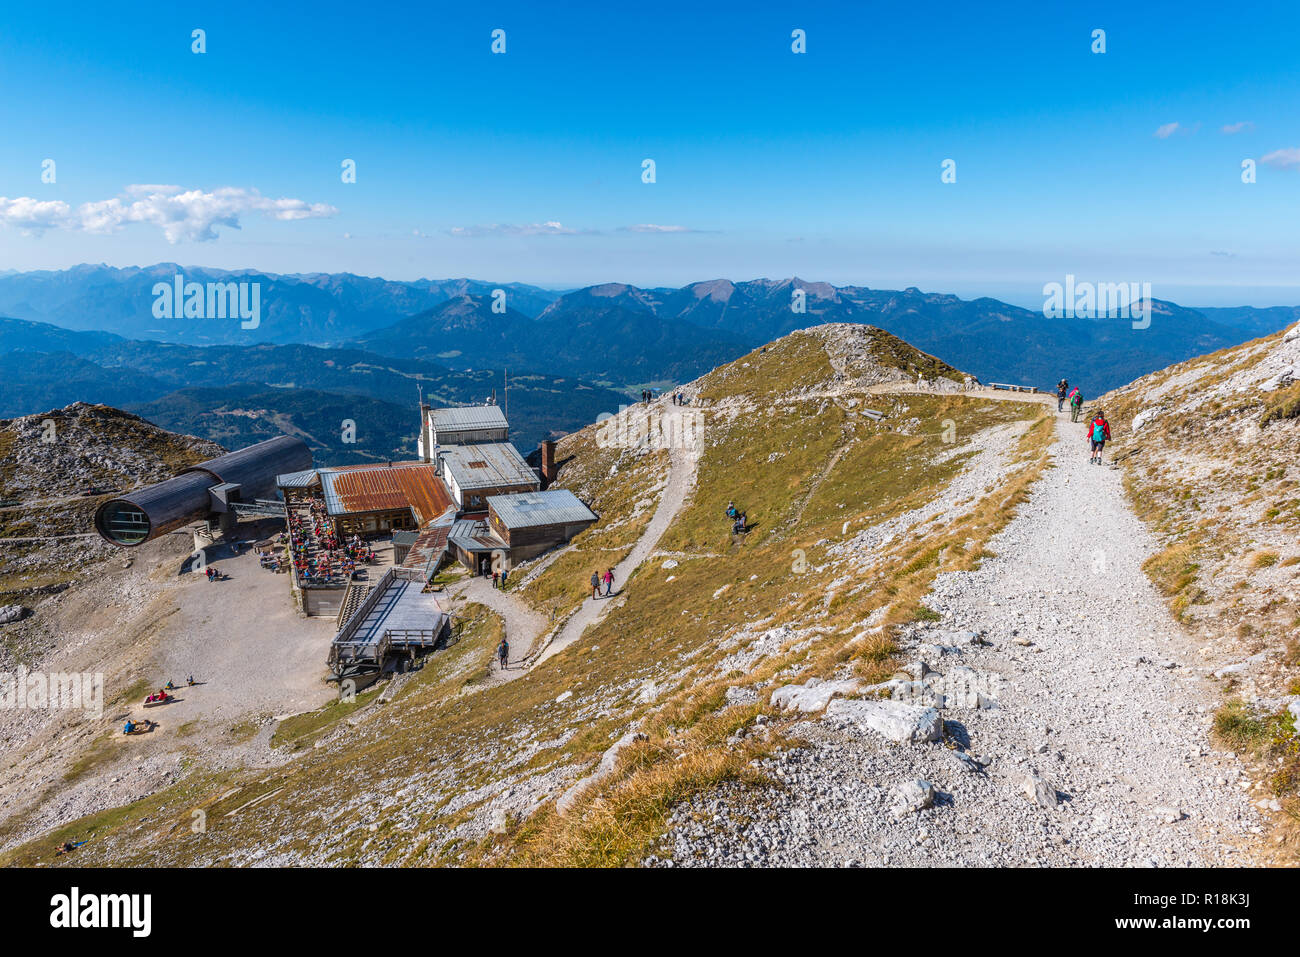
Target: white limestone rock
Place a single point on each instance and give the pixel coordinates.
(893, 720)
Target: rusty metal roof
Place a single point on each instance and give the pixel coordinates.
(384, 488)
(431, 544)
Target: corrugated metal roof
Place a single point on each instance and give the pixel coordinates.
(474, 535)
(467, 418)
(487, 465)
(557, 506)
(296, 479)
(431, 544)
(385, 488)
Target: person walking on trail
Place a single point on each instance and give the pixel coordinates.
(1076, 404)
(494, 579)
(503, 654)
(595, 584)
(609, 582)
(1062, 388)
(1098, 436)
(504, 573)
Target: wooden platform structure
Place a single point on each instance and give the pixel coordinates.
(396, 618)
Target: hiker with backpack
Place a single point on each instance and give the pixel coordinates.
(1062, 388)
(595, 584)
(1076, 404)
(503, 654)
(1098, 436)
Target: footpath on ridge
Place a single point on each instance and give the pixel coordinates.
(1096, 751)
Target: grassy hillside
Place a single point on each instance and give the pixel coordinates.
(458, 770)
(1209, 454)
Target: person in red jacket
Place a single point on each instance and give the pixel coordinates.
(1098, 435)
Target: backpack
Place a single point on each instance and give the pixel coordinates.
(1098, 431)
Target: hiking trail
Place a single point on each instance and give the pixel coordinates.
(1099, 693)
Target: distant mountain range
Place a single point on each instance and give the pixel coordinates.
(233, 393)
(622, 335)
(89, 333)
(321, 308)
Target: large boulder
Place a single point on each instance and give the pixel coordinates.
(608, 761)
(1145, 418)
(12, 613)
(893, 720)
(812, 696)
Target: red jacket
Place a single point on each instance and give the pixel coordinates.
(1104, 425)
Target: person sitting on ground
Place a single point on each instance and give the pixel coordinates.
(189, 680)
(169, 685)
(128, 727)
(731, 510)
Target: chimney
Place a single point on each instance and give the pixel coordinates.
(424, 432)
(548, 462)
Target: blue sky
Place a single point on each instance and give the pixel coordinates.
(824, 165)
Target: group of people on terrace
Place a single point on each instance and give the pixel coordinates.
(318, 555)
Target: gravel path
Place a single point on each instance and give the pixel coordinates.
(681, 481)
(1098, 692)
(524, 626)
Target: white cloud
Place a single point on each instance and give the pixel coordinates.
(553, 228)
(32, 215)
(180, 213)
(1283, 158)
(656, 228)
(513, 229)
(1166, 131)
(1242, 127)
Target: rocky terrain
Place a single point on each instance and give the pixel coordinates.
(944, 638)
(55, 469)
(1208, 453)
(1056, 715)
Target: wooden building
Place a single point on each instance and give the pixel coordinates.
(530, 523)
(472, 473)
